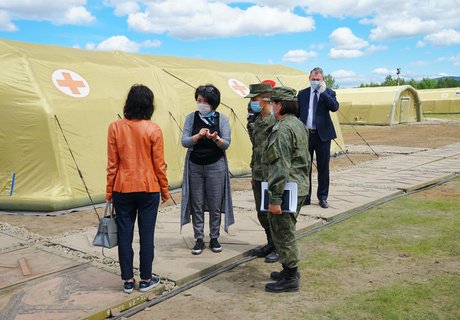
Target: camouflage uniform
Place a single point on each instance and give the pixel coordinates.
(289, 161)
(259, 162)
(259, 130)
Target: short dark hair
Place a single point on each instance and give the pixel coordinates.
(139, 103)
(288, 107)
(210, 93)
(317, 69)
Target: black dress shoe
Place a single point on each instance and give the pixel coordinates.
(323, 204)
(306, 202)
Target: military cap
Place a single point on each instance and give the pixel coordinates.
(283, 94)
(258, 89)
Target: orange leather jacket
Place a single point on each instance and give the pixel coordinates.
(136, 158)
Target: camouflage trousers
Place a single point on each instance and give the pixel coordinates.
(262, 216)
(283, 228)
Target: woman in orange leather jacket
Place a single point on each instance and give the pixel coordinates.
(136, 178)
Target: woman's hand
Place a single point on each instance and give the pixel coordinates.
(200, 135)
(275, 209)
(165, 198)
(212, 136)
(203, 132)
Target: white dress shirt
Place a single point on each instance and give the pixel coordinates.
(310, 109)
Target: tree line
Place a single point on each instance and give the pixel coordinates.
(425, 83)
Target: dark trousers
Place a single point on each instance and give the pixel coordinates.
(323, 155)
(144, 205)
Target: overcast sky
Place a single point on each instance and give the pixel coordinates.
(354, 40)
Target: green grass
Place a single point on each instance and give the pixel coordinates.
(436, 298)
(400, 260)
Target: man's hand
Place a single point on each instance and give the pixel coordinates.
(323, 87)
(275, 209)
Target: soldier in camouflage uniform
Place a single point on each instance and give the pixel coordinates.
(258, 132)
(289, 161)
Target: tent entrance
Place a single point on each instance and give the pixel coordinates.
(404, 110)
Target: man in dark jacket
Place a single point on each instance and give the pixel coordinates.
(315, 103)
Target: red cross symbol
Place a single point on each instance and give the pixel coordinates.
(70, 83)
(238, 87)
(73, 85)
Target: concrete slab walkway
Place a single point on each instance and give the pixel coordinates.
(70, 279)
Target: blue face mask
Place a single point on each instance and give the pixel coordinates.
(255, 106)
(315, 84)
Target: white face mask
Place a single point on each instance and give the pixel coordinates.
(315, 84)
(203, 108)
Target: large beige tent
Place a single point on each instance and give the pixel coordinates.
(42, 87)
(379, 105)
(445, 100)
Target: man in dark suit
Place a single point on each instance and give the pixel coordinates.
(314, 106)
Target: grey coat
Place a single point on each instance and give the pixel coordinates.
(187, 142)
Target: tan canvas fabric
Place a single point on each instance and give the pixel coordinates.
(445, 100)
(379, 105)
(33, 149)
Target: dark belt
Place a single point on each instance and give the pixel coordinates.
(312, 130)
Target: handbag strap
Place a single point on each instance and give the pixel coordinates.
(109, 209)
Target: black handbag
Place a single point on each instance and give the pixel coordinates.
(106, 235)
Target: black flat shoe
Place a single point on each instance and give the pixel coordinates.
(323, 204)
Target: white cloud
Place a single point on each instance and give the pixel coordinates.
(123, 7)
(5, 22)
(444, 38)
(455, 60)
(346, 45)
(76, 15)
(420, 44)
(298, 56)
(122, 43)
(343, 38)
(393, 18)
(345, 77)
(383, 71)
(58, 12)
(401, 26)
(203, 19)
(344, 54)
(340, 74)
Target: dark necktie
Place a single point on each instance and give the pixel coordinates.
(315, 107)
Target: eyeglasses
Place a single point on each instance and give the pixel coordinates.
(206, 88)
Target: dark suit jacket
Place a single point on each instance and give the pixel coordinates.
(327, 102)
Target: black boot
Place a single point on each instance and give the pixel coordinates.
(266, 249)
(272, 257)
(288, 283)
(278, 275)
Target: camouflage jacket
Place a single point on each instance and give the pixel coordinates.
(288, 157)
(259, 138)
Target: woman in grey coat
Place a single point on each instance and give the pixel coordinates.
(206, 182)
